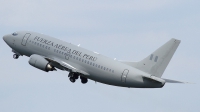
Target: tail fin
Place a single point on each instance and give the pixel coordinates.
(156, 63)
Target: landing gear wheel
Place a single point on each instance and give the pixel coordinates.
(72, 79)
(74, 75)
(84, 80)
(15, 56)
(70, 74)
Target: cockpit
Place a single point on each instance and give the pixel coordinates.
(15, 34)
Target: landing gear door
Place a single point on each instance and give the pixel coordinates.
(124, 75)
(25, 38)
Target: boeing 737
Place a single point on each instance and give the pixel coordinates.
(48, 54)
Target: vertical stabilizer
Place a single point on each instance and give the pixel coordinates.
(156, 63)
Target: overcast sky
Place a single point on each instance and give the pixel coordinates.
(127, 30)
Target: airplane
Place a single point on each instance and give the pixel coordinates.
(49, 54)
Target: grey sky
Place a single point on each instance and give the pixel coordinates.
(126, 30)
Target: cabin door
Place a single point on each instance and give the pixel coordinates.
(124, 75)
(25, 39)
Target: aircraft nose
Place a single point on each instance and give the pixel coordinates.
(6, 38)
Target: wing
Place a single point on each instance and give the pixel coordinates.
(65, 66)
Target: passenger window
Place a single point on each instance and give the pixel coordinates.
(49, 48)
(79, 59)
(99, 66)
(104, 68)
(65, 54)
(43, 46)
(96, 65)
(82, 60)
(93, 64)
(85, 61)
(76, 58)
(112, 71)
(88, 62)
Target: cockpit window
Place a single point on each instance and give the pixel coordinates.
(14, 34)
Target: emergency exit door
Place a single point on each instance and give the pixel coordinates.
(124, 75)
(25, 38)
(67, 55)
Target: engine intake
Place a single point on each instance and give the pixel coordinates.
(39, 62)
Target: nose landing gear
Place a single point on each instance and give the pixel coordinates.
(15, 56)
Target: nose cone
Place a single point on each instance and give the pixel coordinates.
(7, 39)
(4, 38)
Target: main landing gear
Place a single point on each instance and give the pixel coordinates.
(15, 56)
(84, 80)
(73, 77)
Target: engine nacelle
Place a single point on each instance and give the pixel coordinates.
(39, 62)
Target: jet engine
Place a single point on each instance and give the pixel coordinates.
(39, 62)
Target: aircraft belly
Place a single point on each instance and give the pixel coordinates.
(139, 80)
(106, 78)
(134, 80)
(111, 79)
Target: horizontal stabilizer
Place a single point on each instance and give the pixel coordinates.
(174, 81)
(157, 79)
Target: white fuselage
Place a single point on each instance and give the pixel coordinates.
(99, 67)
